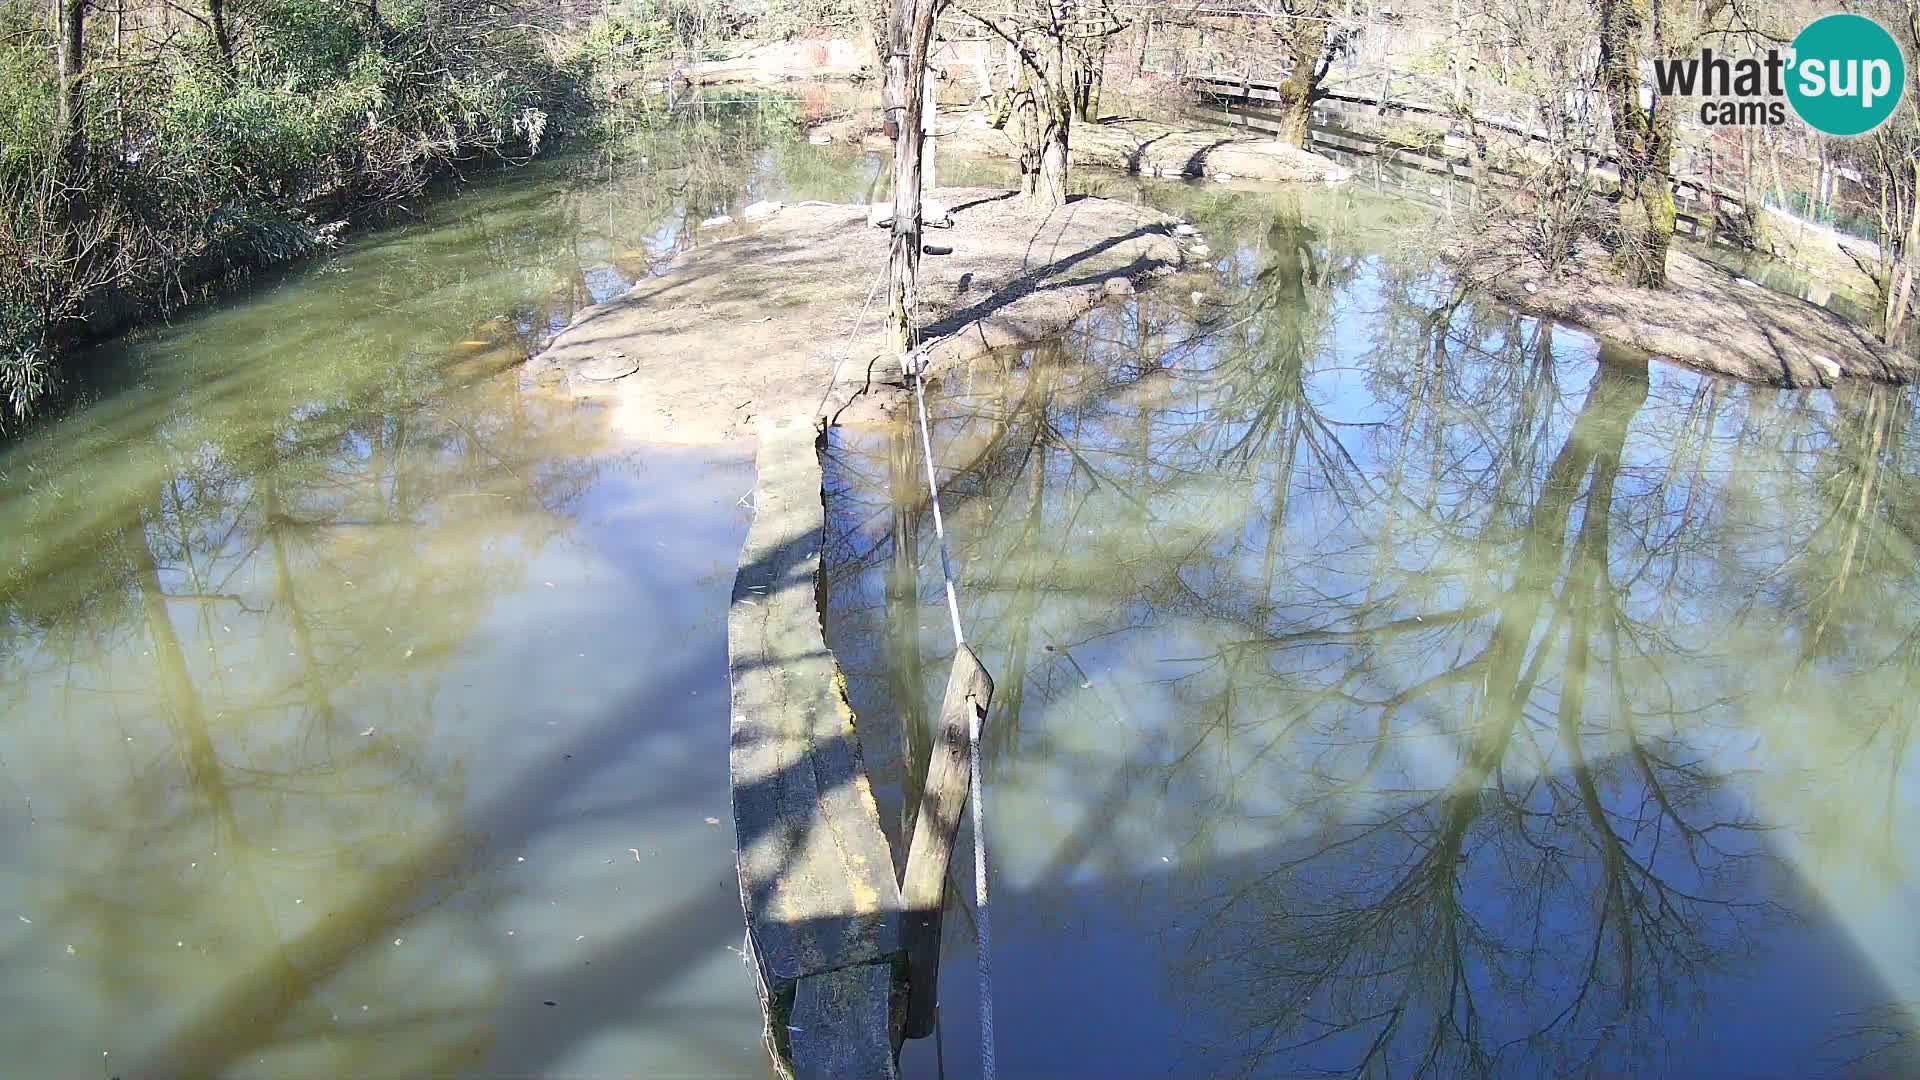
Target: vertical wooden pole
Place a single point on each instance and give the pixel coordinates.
(894, 94)
(929, 145)
(923, 888)
(914, 18)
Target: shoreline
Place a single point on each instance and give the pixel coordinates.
(1707, 318)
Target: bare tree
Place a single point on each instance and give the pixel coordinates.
(910, 35)
(1060, 47)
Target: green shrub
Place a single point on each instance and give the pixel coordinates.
(239, 140)
(24, 374)
(26, 106)
(193, 165)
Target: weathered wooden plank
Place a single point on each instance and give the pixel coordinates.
(923, 886)
(838, 1029)
(816, 874)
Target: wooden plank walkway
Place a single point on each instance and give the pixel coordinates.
(816, 874)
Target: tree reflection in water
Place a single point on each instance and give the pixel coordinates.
(1507, 702)
(265, 758)
(264, 638)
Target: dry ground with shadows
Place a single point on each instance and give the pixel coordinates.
(763, 323)
(1709, 318)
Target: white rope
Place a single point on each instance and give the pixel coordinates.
(939, 520)
(846, 351)
(911, 364)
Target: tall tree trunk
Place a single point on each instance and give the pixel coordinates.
(1900, 284)
(1028, 127)
(914, 20)
(1146, 44)
(1043, 111)
(222, 38)
(1056, 114)
(1089, 79)
(65, 202)
(1309, 39)
(1052, 189)
(1643, 138)
(894, 56)
(1049, 94)
(70, 17)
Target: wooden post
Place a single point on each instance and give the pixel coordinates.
(929, 147)
(913, 22)
(923, 888)
(896, 79)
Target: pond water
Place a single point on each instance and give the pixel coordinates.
(1386, 687)
(1381, 685)
(1408, 176)
(364, 710)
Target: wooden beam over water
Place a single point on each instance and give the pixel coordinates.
(816, 874)
(923, 887)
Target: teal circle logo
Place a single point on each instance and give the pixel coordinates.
(1848, 75)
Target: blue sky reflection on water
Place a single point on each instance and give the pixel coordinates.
(1374, 677)
(1391, 688)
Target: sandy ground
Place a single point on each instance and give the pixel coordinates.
(1130, 145)
(767, 323)
(1711, 319)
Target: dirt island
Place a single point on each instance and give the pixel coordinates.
(782, 315)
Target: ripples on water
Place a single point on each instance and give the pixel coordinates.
(1393, 688)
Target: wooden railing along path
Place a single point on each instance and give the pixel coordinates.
(1346, 121)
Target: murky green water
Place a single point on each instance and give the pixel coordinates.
(365, 711)
(1381, 687)
(1388, 689)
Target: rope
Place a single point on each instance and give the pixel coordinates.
(846, 351)
(940, 533)
(910, 364)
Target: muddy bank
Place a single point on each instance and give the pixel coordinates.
(1708, 318)
(767, 321)
(1126, 144)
